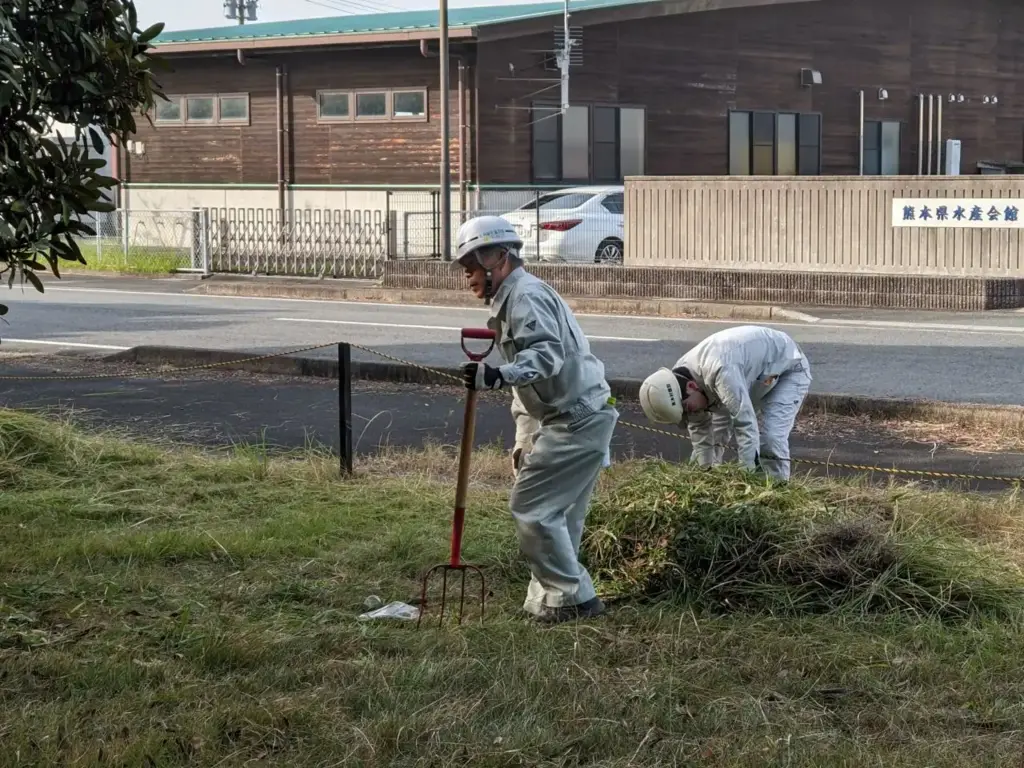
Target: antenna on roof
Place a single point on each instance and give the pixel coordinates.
(562, 57)
(243, 10)
(566, 53)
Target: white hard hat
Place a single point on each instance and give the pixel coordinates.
(661, 397)
(483, 231)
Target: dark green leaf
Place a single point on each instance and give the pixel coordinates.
(152, 32)
(36, 282)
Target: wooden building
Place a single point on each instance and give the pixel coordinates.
(675, 87)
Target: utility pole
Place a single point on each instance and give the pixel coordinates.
(242, 10)
(446, 170)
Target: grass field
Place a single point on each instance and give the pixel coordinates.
(110, 256)
(165, 607)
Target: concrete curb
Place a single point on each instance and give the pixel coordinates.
(627, 389)
(321, 291)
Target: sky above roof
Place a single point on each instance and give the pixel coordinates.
(201, 14)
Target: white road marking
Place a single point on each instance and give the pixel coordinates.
(423, 327)
(822, 323)
(981, 328)
(5, 340)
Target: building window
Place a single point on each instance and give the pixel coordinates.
(200, 109)
(333, 105)
(606, 144)
(547, 144)
(168, 111)
(408, 104)
(589, 144)
(882, 147)
(203, 109)
(233, 108)
(774, 144)
(372, 105)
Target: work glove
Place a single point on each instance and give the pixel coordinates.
(481, 376)
(517, 460)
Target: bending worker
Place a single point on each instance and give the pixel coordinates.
(562, 410)
(718, 387)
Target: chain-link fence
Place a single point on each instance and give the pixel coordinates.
(574, 226)
(581, 226)
(146, 242)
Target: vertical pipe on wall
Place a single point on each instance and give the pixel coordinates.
(938, 135)
(115, 168)
(476, 130)
(921, 133)
(462, 139)
(860, 154)
(931, 126)
(446, 171)
(280, 139)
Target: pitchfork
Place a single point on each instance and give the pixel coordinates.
(455, 562)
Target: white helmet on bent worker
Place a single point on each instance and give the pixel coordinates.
(484, 231)
(661, 397)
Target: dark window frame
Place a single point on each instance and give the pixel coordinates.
(215, 119)
(775, 138)
(591, 107)
(616, 144)
(352, 94)
(871, 126)
(534, 107)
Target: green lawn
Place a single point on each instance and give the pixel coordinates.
(168, 607)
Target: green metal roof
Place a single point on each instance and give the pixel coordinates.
(399, 21)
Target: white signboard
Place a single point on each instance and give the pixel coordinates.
(953, 212)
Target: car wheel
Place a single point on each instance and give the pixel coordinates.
(609, 251)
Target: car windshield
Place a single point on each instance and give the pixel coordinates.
(558, 201)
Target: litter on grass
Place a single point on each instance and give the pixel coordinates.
(394, 610)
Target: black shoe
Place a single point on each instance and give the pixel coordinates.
(587, 610)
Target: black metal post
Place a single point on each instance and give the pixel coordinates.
(345, 406)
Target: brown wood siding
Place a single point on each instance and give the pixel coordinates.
(689, 70)
(316, 153)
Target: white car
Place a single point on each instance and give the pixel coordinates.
(577, 225)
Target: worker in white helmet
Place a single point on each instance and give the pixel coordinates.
(563, 411)
(718, 388)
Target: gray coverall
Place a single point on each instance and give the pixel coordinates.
(742, 371)
(564, 422)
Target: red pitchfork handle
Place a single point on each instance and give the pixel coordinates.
(466, 448)
(478, 333)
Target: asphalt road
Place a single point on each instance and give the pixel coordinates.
(974, 357)
(220, 409)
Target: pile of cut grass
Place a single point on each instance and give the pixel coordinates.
(727, 541)
(173, 607)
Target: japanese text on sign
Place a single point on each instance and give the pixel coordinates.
(972, 213)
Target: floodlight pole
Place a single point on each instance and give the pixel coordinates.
(446, 170)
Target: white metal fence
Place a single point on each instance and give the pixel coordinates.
(315, 243)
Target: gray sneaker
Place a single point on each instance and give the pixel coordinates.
(588, 610)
